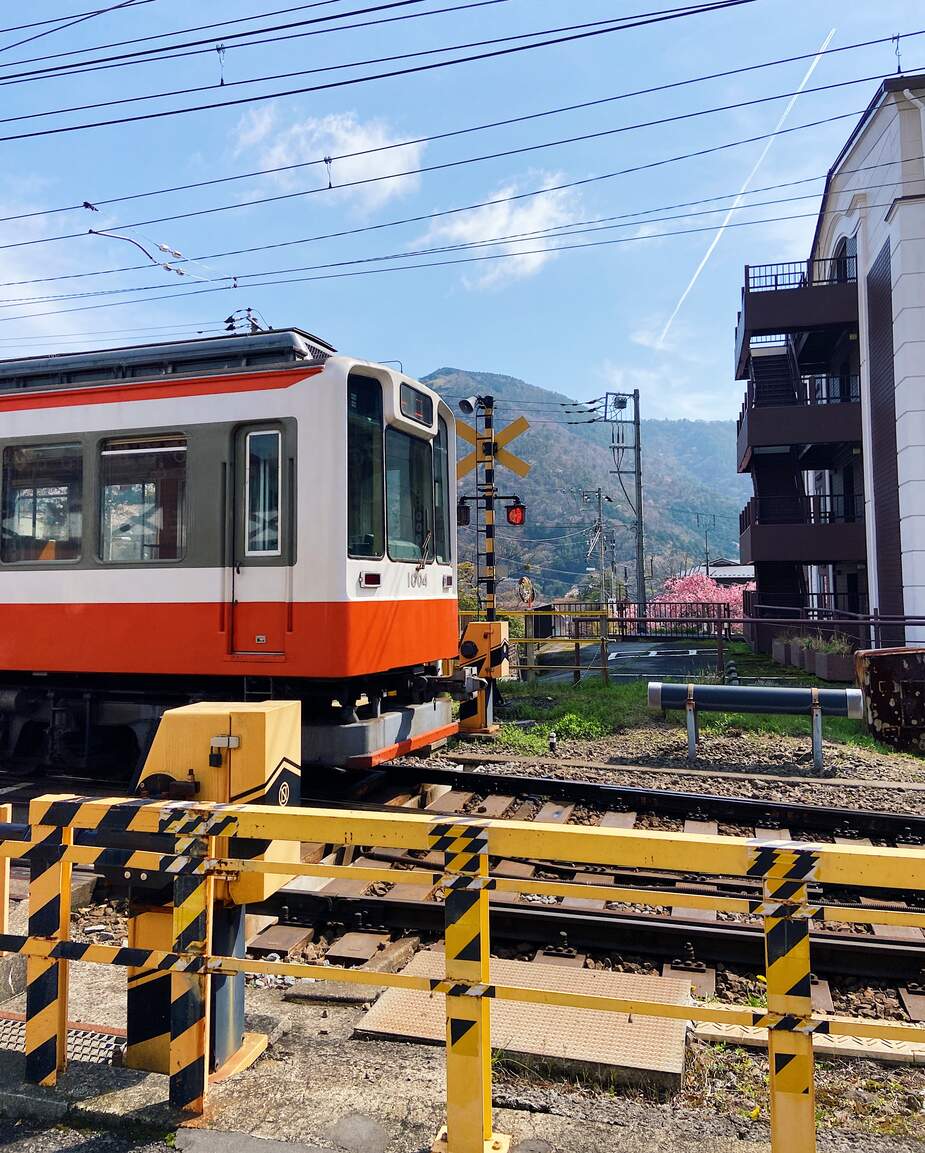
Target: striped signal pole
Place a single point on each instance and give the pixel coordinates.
(488, 493)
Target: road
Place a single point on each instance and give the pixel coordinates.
(633, 660)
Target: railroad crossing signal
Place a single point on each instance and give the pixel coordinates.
(501, 455)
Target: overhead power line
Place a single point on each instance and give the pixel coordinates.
(388, 75)
(67, 24)
(101, 202)
(207, 46)
(232, 285)
(163, 35)
(637, 217)
(69, 16)
(449, 164)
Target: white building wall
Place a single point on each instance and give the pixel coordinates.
(886, 164)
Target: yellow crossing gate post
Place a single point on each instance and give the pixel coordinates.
(785, 870)
(468, 991)
(46, 979)
(189, 991)
(6, 816)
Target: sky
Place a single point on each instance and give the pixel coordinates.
(589, 317)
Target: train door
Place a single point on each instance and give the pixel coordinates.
(261, 580)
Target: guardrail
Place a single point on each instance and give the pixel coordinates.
(66, 830)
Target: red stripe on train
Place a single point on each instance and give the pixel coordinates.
(156, 389)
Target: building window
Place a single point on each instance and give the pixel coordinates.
(365, 515)
(42, 494)
(409, 496)
(143, 500)
(262, 482)
(442, 494)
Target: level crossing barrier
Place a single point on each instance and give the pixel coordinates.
(68, 830)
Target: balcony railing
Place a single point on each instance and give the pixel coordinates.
(812, 389)
(800, 273)
(832, 509)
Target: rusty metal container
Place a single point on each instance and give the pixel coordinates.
(893, 682)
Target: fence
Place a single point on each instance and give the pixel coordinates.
(786, 870)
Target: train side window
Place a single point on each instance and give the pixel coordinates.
(365, 515)
(42, 503)
(442, 532)
(409, 496)
(263, 457)
(143, 500)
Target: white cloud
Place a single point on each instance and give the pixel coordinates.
(276, 144)
(508, 217)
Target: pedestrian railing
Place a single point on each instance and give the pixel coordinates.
(64, 831)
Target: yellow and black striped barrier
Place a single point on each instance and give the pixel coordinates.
(68, 830)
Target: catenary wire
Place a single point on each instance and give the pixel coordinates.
(337, 84)
(233, 287)
(67, 16)
(445, 165)
(180, 31)
(69, 24)
(670, 86)
(158, 55)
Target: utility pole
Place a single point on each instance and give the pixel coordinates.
(640, 536)
(598, 538)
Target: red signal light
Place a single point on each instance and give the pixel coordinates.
(516, 514)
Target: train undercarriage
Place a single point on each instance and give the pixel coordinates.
(101, 726)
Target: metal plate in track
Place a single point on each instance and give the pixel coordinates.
(82, 1044)
(642, 1048)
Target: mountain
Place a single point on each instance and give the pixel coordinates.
(688, 468)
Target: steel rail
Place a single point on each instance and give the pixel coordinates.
(634, 934)
(749, 811)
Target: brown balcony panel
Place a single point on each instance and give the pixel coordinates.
(797, 424)
(803, 543)
(806, 308)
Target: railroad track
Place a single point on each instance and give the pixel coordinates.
(881, 953)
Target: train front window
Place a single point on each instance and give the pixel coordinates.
(263, 489)
(365, 531)
(442, 493)
(143, 500)
(42, 496)
(409, 496)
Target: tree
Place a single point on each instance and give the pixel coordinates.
(697, 588)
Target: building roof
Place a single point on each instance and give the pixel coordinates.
(725, 571)
(898, 83)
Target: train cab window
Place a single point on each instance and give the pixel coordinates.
(262, 484)
(42, 497)
(365, 517)
(442, 494)
(409, 496)
(143, 500)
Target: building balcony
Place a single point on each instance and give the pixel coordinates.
(801, 296)
(802, 530)
(818, 416)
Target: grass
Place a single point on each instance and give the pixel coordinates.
(592, 711)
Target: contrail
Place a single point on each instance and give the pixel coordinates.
(751, 176)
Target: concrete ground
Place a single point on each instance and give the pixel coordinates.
(320, 1090)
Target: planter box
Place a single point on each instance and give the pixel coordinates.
(809, 661)
(796, 654)
(835, 667)
(780, 652)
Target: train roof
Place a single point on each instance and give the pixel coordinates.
(209, 356)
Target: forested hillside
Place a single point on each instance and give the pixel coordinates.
(689, 468)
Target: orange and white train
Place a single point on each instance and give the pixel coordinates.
(234, 517)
